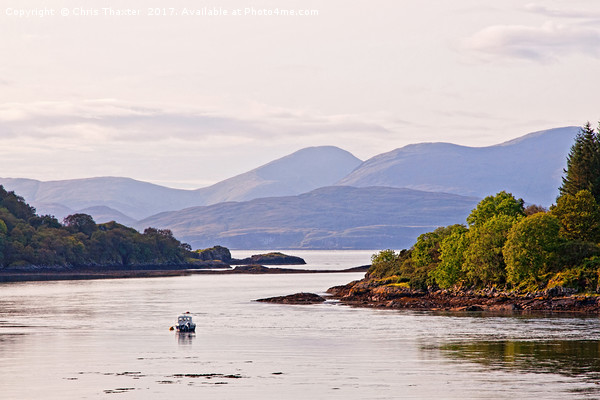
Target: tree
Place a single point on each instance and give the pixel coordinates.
(3, 233)
(449, 271)
(83, 223)
(502, 203)
(579, 216)
(383, 264)
(583, 164)
(426, 250)
(484, 263)
(531, 248)
(534, 209)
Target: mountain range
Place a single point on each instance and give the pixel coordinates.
(313, 184)
(126, 199)
(529, 167)
(335, 217)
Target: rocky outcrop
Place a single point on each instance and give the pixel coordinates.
(298, 298)
(372, 294)
(214, 253)
(275, 258)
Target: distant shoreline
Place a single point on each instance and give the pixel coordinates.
(69, 275)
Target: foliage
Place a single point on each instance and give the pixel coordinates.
(531, 249)
(579, 216)
(83, 223)
(584, 277)
(502, 203)
(583, 164)
(426, 250)
(575, 252)
(484, 262)
(449, 271)
(383, 264)
(29, 239)
(534, 209)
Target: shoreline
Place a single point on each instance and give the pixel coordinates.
(557, 300)
(87, 274)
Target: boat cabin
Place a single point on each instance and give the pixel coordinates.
(185, 323)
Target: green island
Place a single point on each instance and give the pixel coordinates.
(34, 248)
(508, 256)
(29, 242)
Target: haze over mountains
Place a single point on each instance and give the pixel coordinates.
(530, 167)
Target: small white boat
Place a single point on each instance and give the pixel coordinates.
(185, 323)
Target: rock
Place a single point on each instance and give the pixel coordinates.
(474, 308)
(275, 258)
(558, 291)
(252, 269)
(215, 253)
(298, 298)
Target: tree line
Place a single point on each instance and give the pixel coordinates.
(505, 244)
(27, 239)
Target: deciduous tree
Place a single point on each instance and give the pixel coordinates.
(531, 248)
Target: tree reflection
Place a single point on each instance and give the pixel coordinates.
(564, 357)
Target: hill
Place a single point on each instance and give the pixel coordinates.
(299, 172)
(126, 200)
(31, 242)
(134, 199)
(529, 167)
(334, 217)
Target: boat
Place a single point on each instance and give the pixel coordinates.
(185, 323)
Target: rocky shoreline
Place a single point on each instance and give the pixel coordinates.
(373, 295)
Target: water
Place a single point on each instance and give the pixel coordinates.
(110, 339)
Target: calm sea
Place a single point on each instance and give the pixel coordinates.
(111, 339)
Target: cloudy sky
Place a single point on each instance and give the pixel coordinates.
(188, 100)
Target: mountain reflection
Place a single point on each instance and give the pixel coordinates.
(565, 357)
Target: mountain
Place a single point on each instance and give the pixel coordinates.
(132, 198)
(102, 214)
(129, 199)
(529, 167)
(299, 172)
(334, 217)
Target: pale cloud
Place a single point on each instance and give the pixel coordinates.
(547, 43)
(111, 120)
(561, 12)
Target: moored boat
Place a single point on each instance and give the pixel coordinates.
(185, 323)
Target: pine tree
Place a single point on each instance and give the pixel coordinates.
(583, 164)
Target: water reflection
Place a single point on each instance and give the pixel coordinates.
(185, 338)
(565, 357)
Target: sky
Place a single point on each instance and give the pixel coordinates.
(185, 100)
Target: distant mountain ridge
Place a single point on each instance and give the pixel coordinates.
(529, 167)
(129, 199)
(300, 172)
(334, 217)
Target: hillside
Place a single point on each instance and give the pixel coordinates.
(332, 217)
(529, 167)
(299, 172)
(126, 200)
(32, 242)
(134, 199)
